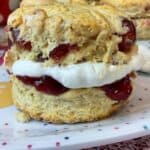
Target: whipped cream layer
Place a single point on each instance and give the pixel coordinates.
(144, 50)
(84, 75)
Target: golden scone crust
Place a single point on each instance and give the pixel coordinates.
(135, 8)
(91, 29)
(143, 28)
(138, 10)
(27, 3)
(81, 105)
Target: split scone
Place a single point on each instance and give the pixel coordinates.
(71, 63)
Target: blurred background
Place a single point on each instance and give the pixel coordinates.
(6, 7)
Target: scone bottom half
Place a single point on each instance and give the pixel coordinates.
(62, 36)
(61, 105)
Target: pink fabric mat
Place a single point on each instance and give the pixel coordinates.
(142, 143)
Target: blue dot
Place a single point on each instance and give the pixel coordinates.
(66, 138)
(145, 127)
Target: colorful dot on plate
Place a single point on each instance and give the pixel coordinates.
(131, 105)
(145, 127)
(45, 124)
(127, 123)
(99, 129)
(140, 99)
(26, 130)
(6, 124)
(29, 147)
(99, 125)
(116, 128)
(65, 128)
(57, 144)
(4, 143)
(66, 138)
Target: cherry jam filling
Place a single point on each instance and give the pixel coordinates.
(61, 51)
(44, 84)
(21, 43)
(129, 38)
(119, 90)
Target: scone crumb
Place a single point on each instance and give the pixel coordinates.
(22, 117)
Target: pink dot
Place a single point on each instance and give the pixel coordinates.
(57, 144)
(29, 147)
(4, 143)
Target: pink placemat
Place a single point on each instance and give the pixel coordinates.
(142, 143)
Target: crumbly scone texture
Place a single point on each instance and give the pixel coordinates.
(143, 28)
(92, 29)
(134, 8)
(28, 3)
(81, 105)
(138, 10)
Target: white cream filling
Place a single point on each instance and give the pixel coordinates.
(144, 50)
(84, 75)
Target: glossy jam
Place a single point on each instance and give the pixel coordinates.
(119, 90)
(44, 84)
(128, 38)
(21, 43)
(61, 51)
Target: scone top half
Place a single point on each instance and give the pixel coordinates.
(77, 46)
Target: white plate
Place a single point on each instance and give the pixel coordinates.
(131, 122)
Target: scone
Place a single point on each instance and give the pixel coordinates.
(138, 10)
(28, 3)
(71, 63)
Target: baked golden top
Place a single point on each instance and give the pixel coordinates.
(26, 3)
(135, 8)
(91, 31)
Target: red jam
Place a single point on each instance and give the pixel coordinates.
(61, 51)
(119, 90)
(128, 38)
(21, 43)
(44, 84)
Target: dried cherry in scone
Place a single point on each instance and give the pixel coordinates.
(128, 38)
(20, 42)
(44, 84)
(61, 51)
(119, 90)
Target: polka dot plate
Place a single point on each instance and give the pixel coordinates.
(131, 122)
